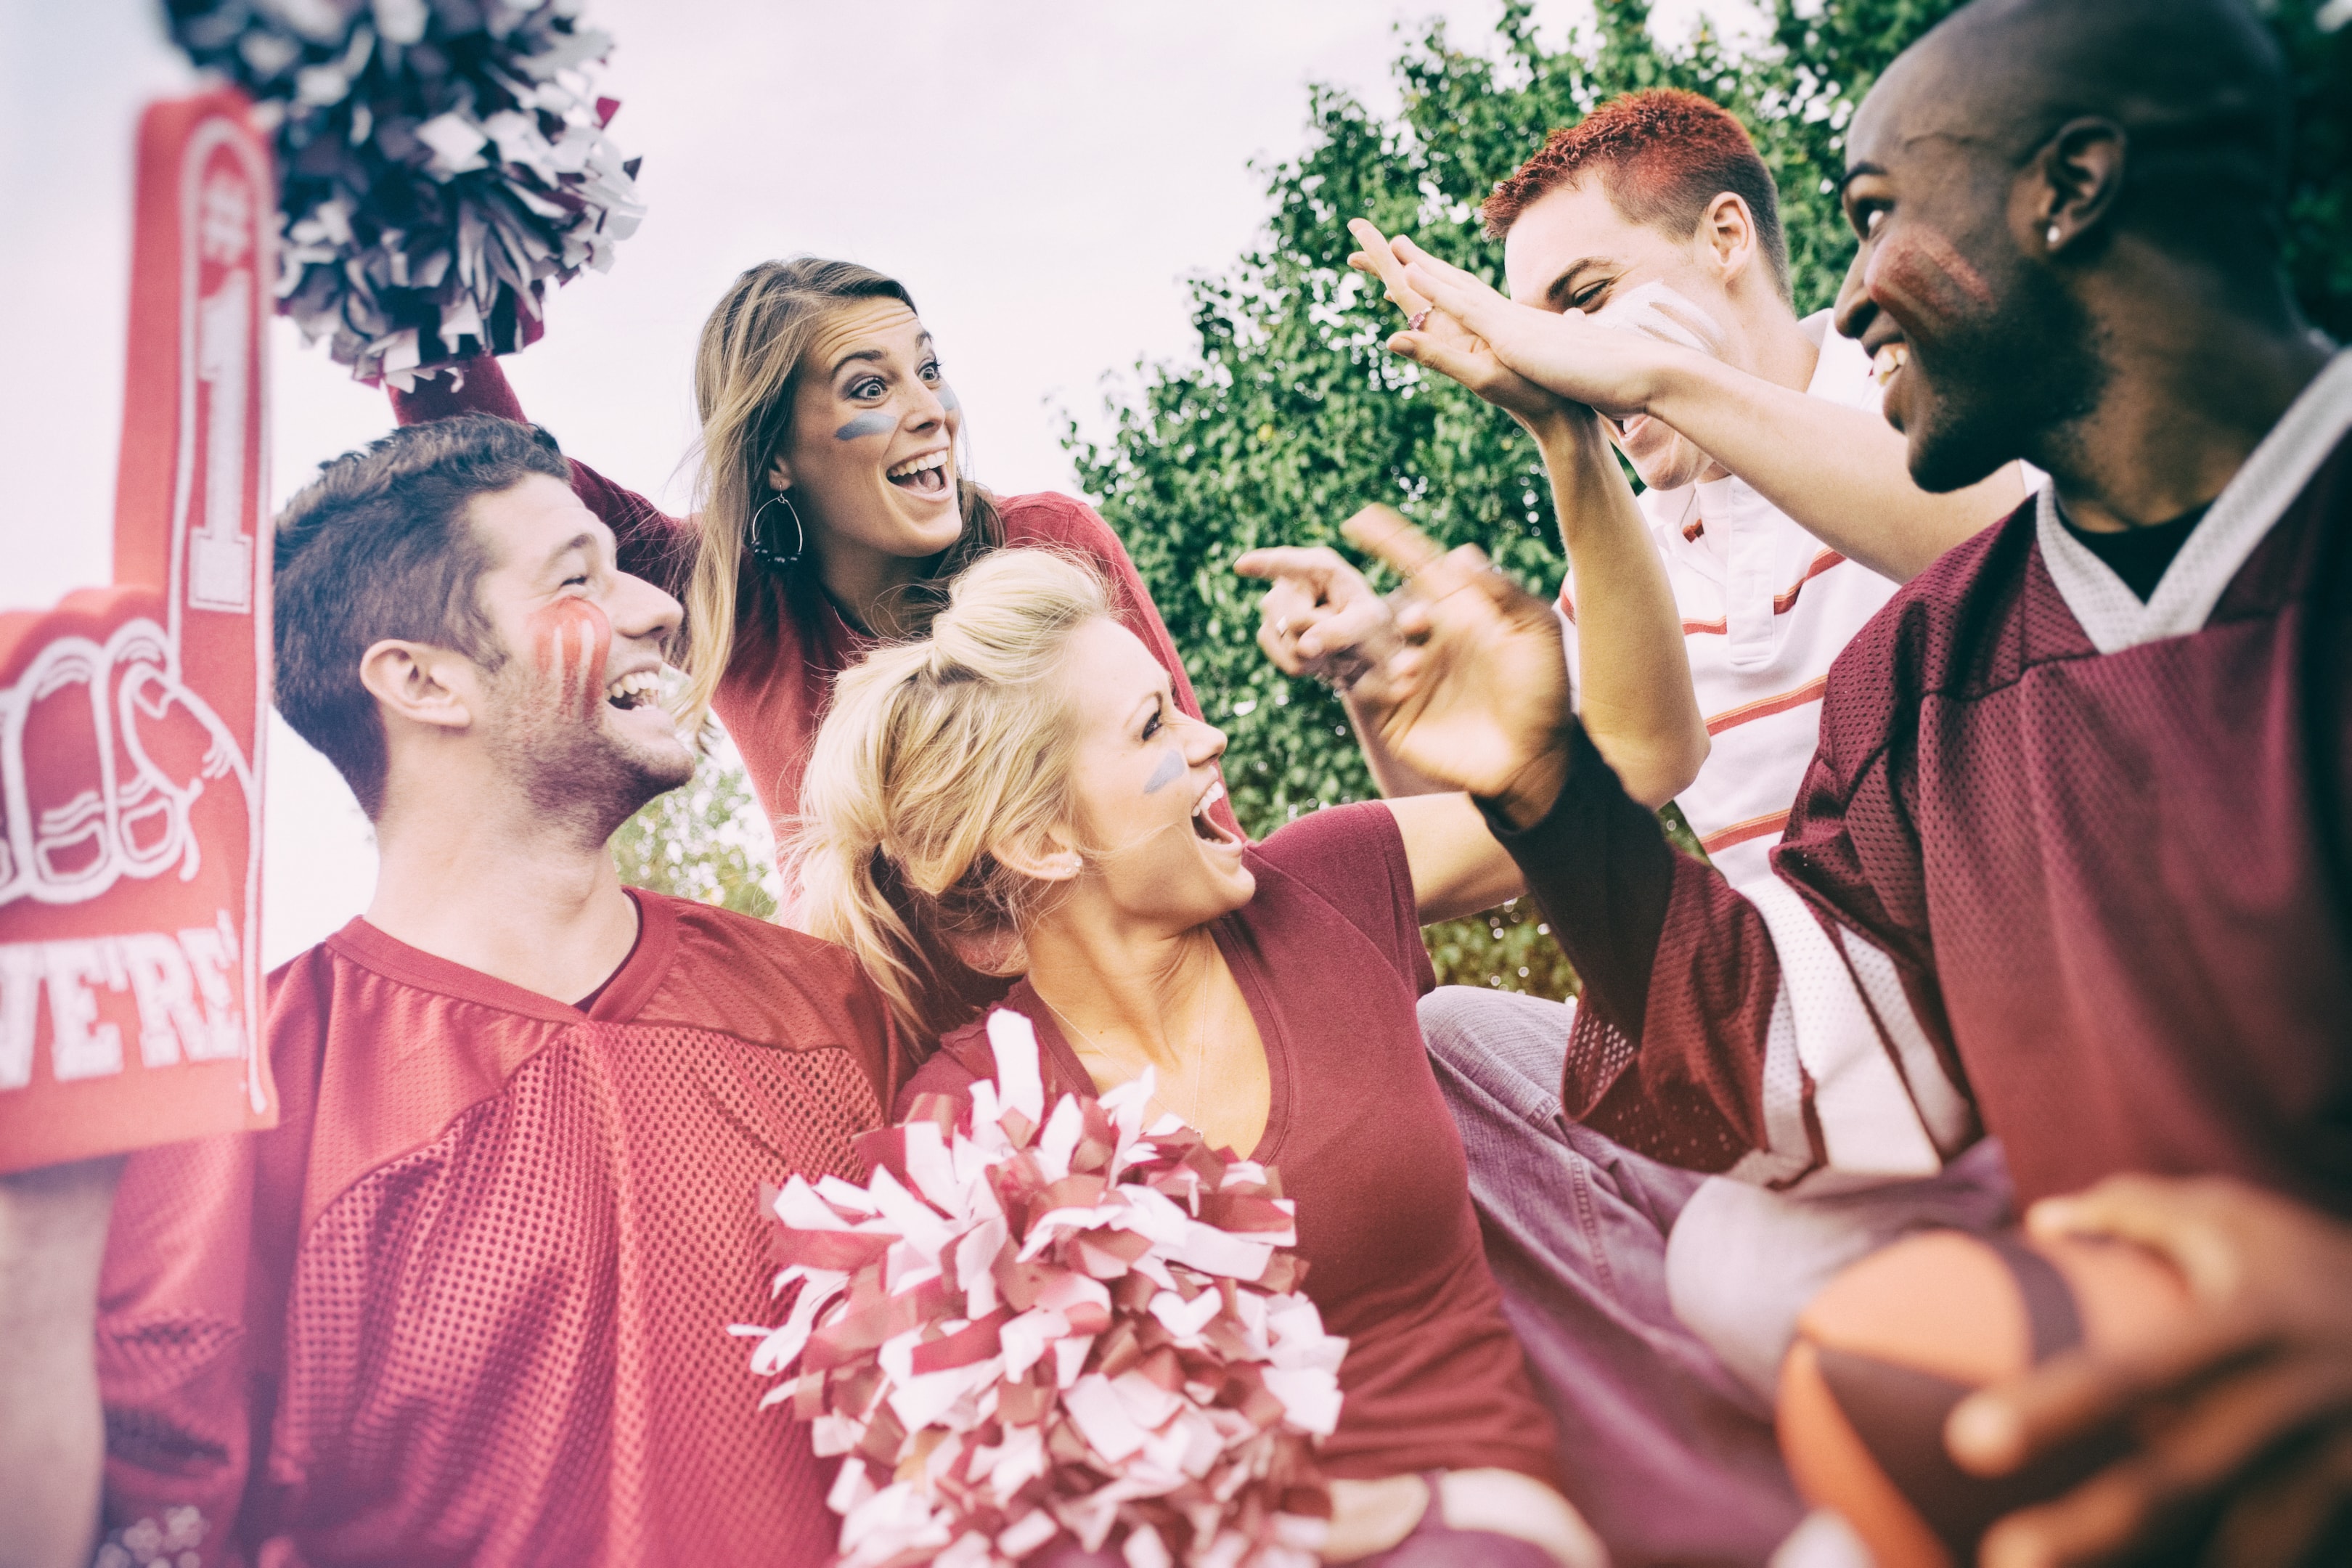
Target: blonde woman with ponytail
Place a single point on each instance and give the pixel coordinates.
(831, 504)
(1019, 792)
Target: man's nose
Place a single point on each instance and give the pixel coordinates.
(642, 612)
(1854, 311)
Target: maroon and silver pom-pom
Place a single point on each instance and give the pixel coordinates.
(440, 161)
(1029, 1327)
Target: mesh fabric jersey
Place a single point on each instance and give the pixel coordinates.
(469, 1302)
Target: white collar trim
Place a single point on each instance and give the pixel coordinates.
(2241, 517)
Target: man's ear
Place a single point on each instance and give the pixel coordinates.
(420, 682)
(1728, 229)
(2076, 182)
(1048, 856)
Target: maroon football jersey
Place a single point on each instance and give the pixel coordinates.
(2068, 867)
(468, 1302)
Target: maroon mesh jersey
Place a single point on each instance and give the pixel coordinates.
(2067, 865)
(469, 1302)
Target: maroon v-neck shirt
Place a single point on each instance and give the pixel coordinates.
(1328, 956)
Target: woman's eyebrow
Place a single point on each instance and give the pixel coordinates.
(853, 355)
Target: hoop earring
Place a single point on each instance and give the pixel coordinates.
(767, 554)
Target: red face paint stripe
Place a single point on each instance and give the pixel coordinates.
(1920, 278)
(576, 662)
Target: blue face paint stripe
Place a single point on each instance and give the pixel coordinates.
(1170, 769)
(947, 399)
(866, 425)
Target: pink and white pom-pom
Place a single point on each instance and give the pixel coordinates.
(1027, 1327)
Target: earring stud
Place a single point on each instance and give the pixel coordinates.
(2053, 236)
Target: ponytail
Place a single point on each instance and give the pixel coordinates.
(936, 756)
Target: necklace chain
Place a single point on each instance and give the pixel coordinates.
(1189, 1117)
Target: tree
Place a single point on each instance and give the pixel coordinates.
(1292, 415)
(704, 840)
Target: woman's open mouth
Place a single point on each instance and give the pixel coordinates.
(926, 475)
(1206, 828)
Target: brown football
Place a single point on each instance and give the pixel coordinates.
(1895, 1341)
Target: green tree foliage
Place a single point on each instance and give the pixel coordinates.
(1292, 415)
(705, 840)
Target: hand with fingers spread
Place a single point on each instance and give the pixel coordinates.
(2246, 1408)
(1477, 695)
(1445, 345)
(1616, 371)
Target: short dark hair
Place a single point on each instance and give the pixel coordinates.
(381, 545)
(1661, 154)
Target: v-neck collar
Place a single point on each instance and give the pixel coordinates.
(623, 995)
(2241, 516)
(1064, 1061)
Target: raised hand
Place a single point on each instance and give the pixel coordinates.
(1476, 697)
(1444, 343)
(2246, 1407)
(1320, 617)
(1613, 370)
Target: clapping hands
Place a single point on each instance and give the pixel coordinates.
(1518, 356)
(1439, 341)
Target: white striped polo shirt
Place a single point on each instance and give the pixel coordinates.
(1765, 607)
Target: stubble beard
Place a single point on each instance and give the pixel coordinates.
(576, 774)
(2018, 383)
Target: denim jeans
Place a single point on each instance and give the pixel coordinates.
(1668, 1455)
(1744, 1262)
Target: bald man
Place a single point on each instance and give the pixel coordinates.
(2072, 865)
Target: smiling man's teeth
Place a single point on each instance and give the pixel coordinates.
(635, 691)
(1890, 359)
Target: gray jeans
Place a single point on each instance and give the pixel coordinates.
(1668, 1455)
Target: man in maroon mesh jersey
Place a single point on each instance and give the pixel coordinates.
(2071, 864)
(468, 1302)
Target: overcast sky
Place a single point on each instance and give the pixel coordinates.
(1043, 174)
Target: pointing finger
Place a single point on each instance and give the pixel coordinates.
(1383, 532)
(1316, 563)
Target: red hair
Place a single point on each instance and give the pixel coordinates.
(1661, 154)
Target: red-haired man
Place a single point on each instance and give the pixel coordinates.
(1779, 508)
